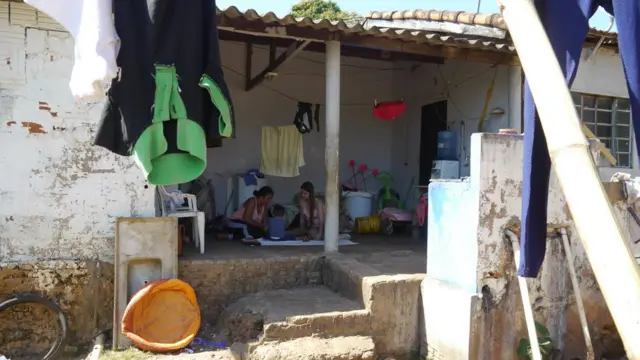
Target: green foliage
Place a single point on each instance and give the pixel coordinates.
(547, 347)
(322, 9)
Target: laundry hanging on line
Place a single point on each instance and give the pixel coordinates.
(282, 151)
(187, 92)
(567, 24)
(305, 109)
(96, 42)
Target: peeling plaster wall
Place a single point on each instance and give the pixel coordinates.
(59, 195)
(485, 259)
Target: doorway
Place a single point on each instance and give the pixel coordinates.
(433, 119)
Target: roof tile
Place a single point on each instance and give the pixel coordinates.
(461, 17)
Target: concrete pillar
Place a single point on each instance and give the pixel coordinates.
(332, 146)
(515, 98)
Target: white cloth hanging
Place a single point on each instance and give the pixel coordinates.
(90, 22)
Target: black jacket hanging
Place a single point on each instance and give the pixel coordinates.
(182, 39)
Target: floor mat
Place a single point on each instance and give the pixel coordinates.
(302, 243)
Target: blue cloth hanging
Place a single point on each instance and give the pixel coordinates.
(567, 24)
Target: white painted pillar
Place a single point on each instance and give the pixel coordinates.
(332, 146)
(514, 113)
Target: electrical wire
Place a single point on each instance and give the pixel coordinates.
(446, 91)
(291, 97)
(300, 57)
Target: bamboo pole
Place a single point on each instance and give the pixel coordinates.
(609, 255)
(526, 301)
(576, 292)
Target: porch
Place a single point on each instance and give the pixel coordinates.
(386, 254)
(442, 88)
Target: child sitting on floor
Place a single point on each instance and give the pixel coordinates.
(278, 224)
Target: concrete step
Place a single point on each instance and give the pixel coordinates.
(293, 313)
(347, 323)
(312, 348)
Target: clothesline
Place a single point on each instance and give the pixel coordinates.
(293, 98)
(448, 88)
(322, 62)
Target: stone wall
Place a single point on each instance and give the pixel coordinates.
(82, 289)
(219, 283)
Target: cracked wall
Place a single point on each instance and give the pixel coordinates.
(60, 195)
(467, 250)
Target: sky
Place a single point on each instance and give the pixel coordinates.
(281, 7)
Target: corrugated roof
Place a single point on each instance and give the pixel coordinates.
(234, 18)
(250, 20)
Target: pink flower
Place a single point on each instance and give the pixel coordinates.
(352, 163)
(374, 172)
(363, 168)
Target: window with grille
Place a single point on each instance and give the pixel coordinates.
(610, 120)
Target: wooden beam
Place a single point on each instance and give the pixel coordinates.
(380, 43)
(607, 154)
(425, 49)
(272, 51)
(319, 47)
(293, 49)
(248, 63)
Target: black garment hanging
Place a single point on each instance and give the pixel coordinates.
(316, 117)
(167, 32)
(305, 109)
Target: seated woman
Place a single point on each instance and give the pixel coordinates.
(251, 217)
(311, 214)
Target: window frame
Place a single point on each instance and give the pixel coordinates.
(613, 140)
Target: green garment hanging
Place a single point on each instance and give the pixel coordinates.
(150, 150)
(225, 126)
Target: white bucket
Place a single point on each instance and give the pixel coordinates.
(358, 203)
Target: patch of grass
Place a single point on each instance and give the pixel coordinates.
(128, 354)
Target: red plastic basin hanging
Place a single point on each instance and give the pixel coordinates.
(388, 110)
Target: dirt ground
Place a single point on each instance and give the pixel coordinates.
(207, 345)
(135, 354)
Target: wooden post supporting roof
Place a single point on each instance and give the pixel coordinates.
(332, 147)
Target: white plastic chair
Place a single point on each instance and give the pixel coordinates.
(190, 210)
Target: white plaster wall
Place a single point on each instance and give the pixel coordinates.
(464, 85)
(59, 195)
(362, 137)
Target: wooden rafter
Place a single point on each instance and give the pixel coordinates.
(293, 50)
(424, 49)
(319, 47)
(248, 64)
